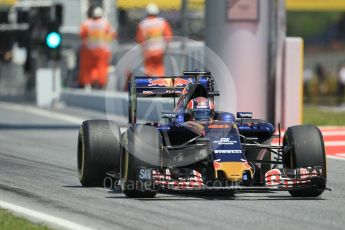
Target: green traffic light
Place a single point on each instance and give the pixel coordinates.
(53, 40)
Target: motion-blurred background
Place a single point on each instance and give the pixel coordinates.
(38, 35)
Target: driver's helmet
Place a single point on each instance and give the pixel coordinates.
(201, 109)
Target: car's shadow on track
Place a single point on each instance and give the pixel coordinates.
(234, 198)
(287, 197)
(186, 196)
(204, 196)
(72, 186)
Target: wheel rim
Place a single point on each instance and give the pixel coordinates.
(81, 156)
(124, 168)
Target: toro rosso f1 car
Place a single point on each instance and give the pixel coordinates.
(197, 148)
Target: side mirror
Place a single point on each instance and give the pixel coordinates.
(169, 115)
(214, 93)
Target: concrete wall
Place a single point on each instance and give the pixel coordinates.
(243, 47)
(292, 100)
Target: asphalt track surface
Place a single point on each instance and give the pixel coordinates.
(38, 171)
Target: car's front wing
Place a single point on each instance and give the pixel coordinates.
(275, 180)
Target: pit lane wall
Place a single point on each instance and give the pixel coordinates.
(289, 84)
(116, 103)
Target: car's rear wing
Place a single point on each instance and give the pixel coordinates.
(167, 86)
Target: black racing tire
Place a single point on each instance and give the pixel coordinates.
(98, 151)
(306, 149)
(139, 141)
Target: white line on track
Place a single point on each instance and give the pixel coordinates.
(42, 217)
(42, 112)
(51, 114)
(25, 212)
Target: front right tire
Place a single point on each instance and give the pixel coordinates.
(306, 149)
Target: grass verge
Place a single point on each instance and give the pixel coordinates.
(11, 222)
(328, 116)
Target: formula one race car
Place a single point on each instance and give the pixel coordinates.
(196, 148)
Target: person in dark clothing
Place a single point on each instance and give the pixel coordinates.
(6, 45)
(321, 76)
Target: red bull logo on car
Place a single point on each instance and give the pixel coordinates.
(181, 82)
(168, 82)
(160, 82)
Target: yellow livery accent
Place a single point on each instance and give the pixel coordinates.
(234, 170)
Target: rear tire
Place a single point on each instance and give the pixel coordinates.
(306, 150)
(98, 151)
(142, 141)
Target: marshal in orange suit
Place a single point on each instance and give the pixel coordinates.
(95, 53)
(153, 33)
